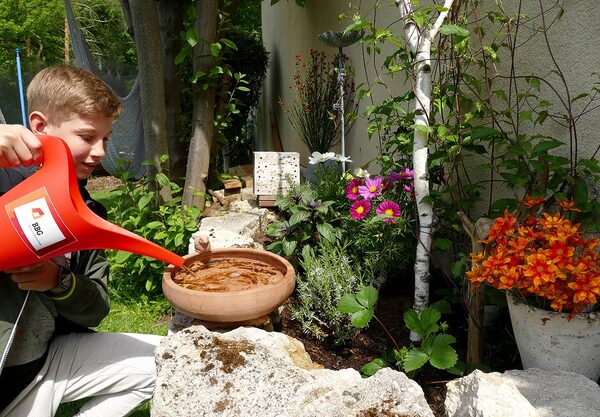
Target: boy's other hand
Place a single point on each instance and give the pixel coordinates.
(42, 276)
(18, 146)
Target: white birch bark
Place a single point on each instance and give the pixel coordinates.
(419, 43)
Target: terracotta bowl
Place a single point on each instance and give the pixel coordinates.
(231, 306)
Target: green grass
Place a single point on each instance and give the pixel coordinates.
(150, 317)
(106, 197)
(132, 316)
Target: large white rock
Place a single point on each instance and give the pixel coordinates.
(486, 395)
(532, 392)
(235, 229)
(557, 393)
(248, 372)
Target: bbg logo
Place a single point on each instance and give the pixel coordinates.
(37, 213)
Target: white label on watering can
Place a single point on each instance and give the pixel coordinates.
(38, 224)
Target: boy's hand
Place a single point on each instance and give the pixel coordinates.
(18, 146)
(42, 276)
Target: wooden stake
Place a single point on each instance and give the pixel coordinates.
(475, 296)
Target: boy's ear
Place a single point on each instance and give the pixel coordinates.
(38, 122)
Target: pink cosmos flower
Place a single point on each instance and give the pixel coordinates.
(407, 173)
(390, 208)
(372, 187)
(408, 187)
(360, 209)
(352, 189)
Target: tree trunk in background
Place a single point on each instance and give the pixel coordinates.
(150, 58)
(419, 43)
(170, 15)
(204, 106)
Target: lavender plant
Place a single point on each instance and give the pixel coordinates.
(329, 273)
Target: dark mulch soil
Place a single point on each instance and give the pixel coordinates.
(500, 352)
(102, 183)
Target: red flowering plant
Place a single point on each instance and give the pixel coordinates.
(312, 96)
(542, 257)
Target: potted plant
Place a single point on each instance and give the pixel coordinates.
(551, 273)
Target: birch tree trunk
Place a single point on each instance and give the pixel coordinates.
(419, 42)
(204, 107)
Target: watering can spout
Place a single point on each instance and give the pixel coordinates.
(45, 216)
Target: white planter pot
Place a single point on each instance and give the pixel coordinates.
(548, 340)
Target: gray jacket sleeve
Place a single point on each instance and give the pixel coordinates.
(87, 301)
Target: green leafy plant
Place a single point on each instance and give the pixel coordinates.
(328, 273)
(434, 347)
(251, 59)
(235, 77)
(137, 208)
(497, 132)
(308, 221)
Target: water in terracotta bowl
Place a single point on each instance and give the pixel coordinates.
(229, 285)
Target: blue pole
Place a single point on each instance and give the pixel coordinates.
(21, 95)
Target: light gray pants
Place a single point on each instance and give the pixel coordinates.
(116, 369)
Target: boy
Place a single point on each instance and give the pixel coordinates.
(48, 354)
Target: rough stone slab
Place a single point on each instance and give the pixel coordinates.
(557, 393)
(248, 372)
(222, 239)
(532, 392)
(486, 395)
(233, 230)
(244, 224)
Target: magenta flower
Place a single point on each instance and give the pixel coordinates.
(407, 173)
(404, 174)
(352, 189)
(394, 177)
(360, 209)
(408, 187)
(387, 184)
(390, 208)
(372, 187)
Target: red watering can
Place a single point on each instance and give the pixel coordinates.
(45, 216)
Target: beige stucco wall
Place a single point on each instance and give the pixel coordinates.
(288, 29)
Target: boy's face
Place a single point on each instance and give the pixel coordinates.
(86, 136)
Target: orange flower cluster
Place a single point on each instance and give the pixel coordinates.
(545, 256)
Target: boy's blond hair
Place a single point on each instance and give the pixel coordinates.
(62, 92)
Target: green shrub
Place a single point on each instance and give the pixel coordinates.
(167, 224)
(387, 250)
(307, 221)
(328, 274)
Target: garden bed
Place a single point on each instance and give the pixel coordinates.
(394, 299)
(500, 352)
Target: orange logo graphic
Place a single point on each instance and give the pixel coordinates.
(36, 213)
